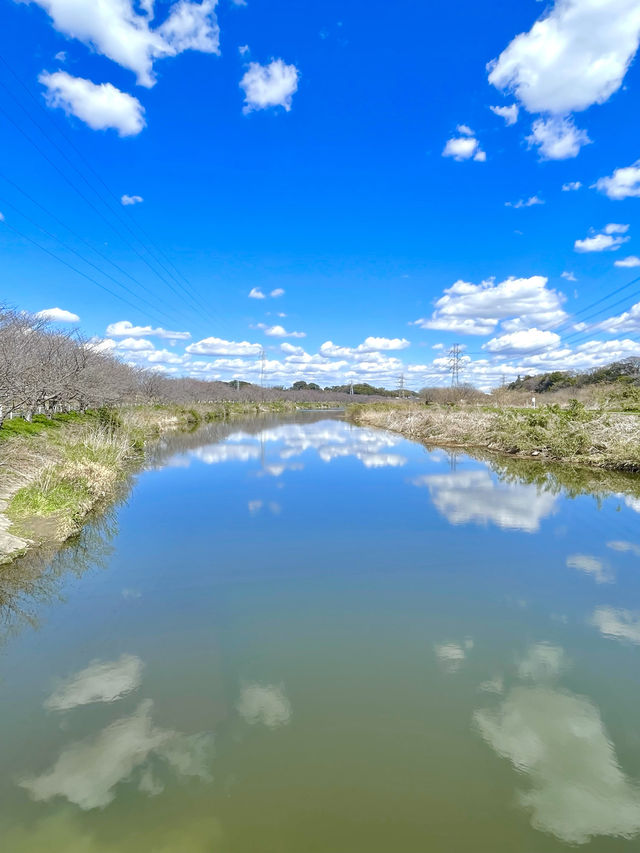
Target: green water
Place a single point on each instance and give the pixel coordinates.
(297, 636)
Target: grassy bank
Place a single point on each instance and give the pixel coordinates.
(573, 434)
(55, 471)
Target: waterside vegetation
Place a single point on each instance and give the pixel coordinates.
(572, 434)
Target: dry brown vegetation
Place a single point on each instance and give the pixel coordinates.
(573, 434)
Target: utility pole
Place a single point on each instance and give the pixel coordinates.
(455, 364)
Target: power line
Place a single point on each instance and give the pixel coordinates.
(86, 260)
(87, 200)
(67, 264)
(191, 291)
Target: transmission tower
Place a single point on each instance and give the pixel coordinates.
(401, 392)
(455, 364)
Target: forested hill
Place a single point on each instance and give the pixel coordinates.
(625, 371)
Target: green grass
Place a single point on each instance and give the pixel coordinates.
(62, 496)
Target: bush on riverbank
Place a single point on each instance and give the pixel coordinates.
(572, 434)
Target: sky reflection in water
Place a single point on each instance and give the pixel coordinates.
(305, 635)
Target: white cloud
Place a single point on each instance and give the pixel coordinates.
(509, 114)
(523, 341)
(278, 331)
(114, 29)
(530, 202)
(618, 624)
(124, 328)
(271, 85)
(465, 130)
(243, 49)
(631, 261)
(135, 345)
(608, 239)
(557, 138)
(369, 347)
(477, 309)
(276, 292)
(192, 26)
(266, 704)
(101, 107)
(58, 315)
(464, 147)
(256, 293)
(575, 55)
(624, 183)
(218, 346)
(569, 276)
(591, 566)
(571, 186)
(128, 200)
(101, 681)
(558, 741)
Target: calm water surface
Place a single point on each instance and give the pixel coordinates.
(297, 636)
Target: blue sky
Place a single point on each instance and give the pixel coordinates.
(345, 154)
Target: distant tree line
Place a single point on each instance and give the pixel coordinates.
(44, 370)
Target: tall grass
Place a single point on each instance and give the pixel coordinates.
(573, 434)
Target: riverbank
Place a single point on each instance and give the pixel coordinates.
(55, 471)
(575, 435)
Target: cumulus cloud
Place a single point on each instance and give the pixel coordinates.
(476, 309)
(609, 239)
(101, 681)
(575, 55)
(557, 138)
(465, 147)
(509, 114)
(278, 331)
(114, 29)
(218, 346)
(623, 183)
(523, 341)
(272, 85)
(128, 200)
(628, 321)
(58, 315)
(124, 328)
(631, 261)
(369, 346)
(257, 293)
(571, 186)
(101, 107)
(529, 202)
(569, 276)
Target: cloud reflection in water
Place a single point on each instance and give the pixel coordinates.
(475, 496)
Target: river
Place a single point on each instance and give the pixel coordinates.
(294, 635)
